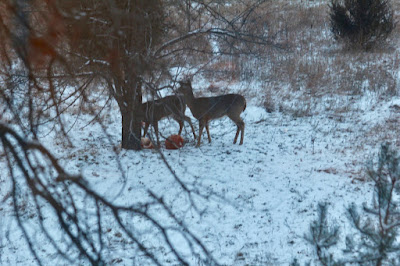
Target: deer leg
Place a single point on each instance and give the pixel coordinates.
(242, 135)
(208, 133)
(180, 126)
(240, 128)
(146, 128)
(237, 134)
(155, 125)
(187, 119)
(201, 127)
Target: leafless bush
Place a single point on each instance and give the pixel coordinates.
(361, 23)
(312, 67)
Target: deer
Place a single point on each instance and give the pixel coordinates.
(169, 106)
(205, 109)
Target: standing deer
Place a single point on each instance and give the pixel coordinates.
(154, 111)
(205, 109)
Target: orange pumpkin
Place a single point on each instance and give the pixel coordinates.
(174, 142)
(146, 143)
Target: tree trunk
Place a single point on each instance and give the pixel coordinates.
(131, 130)
(130, 107)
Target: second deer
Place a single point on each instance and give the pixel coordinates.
(154, 111)
(205, 109)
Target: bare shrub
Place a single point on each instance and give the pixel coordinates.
(313, 68)
(361, 23)
(269, 103)
(223, 69)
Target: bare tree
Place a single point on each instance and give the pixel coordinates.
(132, 44)
(55, 192)
(35, 91)
(51, 53)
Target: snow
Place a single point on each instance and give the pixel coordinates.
(259, 198)
(264, 193)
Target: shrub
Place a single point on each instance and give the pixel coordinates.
(361, 23)
(375, 241)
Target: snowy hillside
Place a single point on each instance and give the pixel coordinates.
(262, 195)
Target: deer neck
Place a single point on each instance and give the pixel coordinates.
(189, 98)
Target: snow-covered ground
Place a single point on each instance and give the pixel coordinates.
(331, 112)
(263, 194)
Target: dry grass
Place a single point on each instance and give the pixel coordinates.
(224, 69)
(314, 65)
